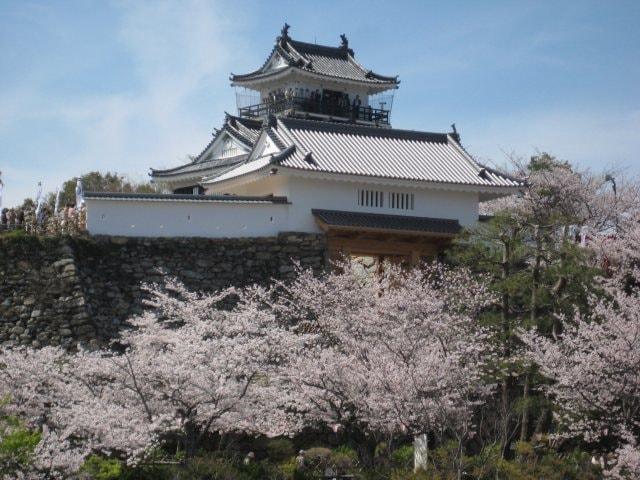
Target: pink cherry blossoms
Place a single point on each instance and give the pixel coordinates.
(595, 363)
(187, 368)
(399, 353)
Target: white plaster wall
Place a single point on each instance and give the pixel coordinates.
(277, 185)
(306, 194)
(185, 219)
(215, 220)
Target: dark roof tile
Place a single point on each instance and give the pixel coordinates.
(342, 219)
(336, 62)
(245, 130)
(183, 197)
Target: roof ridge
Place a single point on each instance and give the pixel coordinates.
(285, 132)
(317, 48)
(203, 165)
(284, 154)
(466, 155)
(496, 171)
(199, 158)
(240, 119)
(364, 129)
(275, 138)
(301, 58)
(353, 60)
(477, 165)
(322, 60)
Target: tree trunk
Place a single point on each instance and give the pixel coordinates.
(459, 460)
(541, 423)
(535, 287)
(364, 445)
(420, 452)
(535, 275)
(506, 347)
(524, 426)
(190, 440)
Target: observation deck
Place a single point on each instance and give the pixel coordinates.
(323, 108)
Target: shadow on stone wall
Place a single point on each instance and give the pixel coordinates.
(61, 291)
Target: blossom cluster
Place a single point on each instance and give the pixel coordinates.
(397, 353)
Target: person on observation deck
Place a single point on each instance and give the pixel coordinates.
(347, 103)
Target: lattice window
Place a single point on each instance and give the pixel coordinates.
(370, 198)
(401, 201)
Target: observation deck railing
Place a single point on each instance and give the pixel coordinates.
(322, 107)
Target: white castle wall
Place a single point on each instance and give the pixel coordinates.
(307, 193)
(142, 218)
(136, 218)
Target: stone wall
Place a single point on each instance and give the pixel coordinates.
(61, 291)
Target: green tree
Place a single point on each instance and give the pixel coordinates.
(101, 182)
(17, 445)
(530, 251)
(92, 182)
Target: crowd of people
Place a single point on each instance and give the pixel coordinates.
(67, 221)
(11, 218)
(326, 102)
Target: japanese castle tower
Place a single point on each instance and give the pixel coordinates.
(312, 149)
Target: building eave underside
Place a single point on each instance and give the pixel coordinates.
(285, 71)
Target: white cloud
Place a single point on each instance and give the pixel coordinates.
(179, 53)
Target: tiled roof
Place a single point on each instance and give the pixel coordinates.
(336, 62)
(240, 170)
(386, 153)
(245, 130)
(340, 219)
(375, 152)
(207, 166)
(172, 197)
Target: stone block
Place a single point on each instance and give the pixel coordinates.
(62, 263)
(89, 287)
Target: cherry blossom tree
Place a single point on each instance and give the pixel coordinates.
(399, 353)
(396, 353)
(534, 249)
(595, 371)
(188, 368)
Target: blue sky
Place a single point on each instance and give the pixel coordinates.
(123, 86)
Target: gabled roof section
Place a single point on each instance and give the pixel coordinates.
(199, 168)
(245, 131)
(325, 61)
(357, 150)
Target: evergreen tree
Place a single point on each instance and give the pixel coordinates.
(531, 248)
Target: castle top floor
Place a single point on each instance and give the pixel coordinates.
(315, 81)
